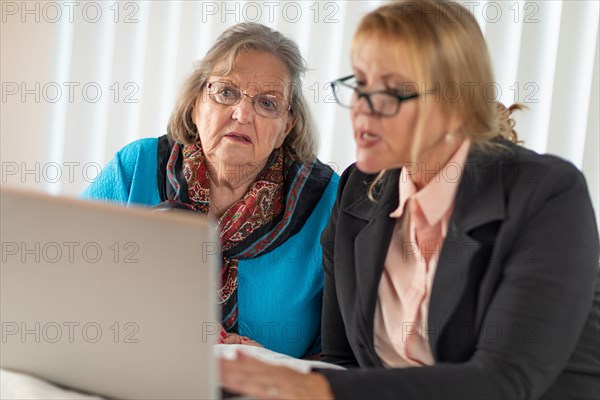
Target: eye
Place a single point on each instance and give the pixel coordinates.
(395, 92)
(399, 93)
(267, 102)
(225, 93)
(404, 89)
(358, 83)
(228, 92)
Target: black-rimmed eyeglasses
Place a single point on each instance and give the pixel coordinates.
(381, 103)
(228, 94)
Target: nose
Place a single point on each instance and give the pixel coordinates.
(243, 111)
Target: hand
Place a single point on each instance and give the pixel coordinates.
(251, 377)
(234, 338)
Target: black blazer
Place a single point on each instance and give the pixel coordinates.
(511, 312)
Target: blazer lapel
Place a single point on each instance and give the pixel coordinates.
(371, 244)
(479, 201)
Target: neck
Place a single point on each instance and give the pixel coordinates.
(431, 162)
(229, 185)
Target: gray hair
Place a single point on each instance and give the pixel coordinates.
(302, 139)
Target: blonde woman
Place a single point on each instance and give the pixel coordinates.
(458, 264)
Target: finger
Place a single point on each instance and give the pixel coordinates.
(233, 338)
(232, 372)
(253, 368)
(222, 334)
(244, 357)
(250, 342)
(245, 366)
(237, 377)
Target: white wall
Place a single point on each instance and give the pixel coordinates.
(545, 54)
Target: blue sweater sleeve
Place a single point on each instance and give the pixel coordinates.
(130, 177)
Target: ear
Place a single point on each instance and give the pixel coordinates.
(194, 108)
(290, 124)
(455, 123)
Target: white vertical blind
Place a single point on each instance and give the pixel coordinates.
(535, 78)
(128, 70)
(572, 79)
(56, 131)
(504, 27)
(136, 54)
(591, 157)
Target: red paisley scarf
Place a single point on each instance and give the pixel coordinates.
(263, 202)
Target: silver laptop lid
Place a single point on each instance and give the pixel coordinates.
(107, 299)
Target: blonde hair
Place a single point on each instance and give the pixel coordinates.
(302, 139)
(449, 56)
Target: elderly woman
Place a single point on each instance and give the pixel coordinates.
(457, 263)
(241, 148)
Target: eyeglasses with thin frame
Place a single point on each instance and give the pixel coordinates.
(381, 103)
(229, 94)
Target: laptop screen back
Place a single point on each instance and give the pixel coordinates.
(106, 299)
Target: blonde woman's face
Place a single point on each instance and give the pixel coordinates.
(387, 142)
(234, 137)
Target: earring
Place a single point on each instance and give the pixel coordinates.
(449, 138)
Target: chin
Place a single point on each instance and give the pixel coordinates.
(235, 157)
(369, 165)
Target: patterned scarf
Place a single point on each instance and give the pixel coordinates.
(261, 204)
(274, 208)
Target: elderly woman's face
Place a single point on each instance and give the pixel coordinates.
(386, 142)
(236, 136)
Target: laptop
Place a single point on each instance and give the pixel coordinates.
(108, 300)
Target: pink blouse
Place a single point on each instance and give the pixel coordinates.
(400, 324)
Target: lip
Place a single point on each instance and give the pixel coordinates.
(238, 137)
(365, 143)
